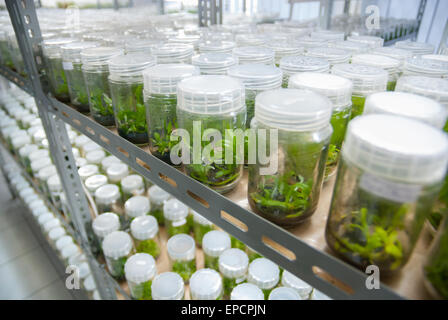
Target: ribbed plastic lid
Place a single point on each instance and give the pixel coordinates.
(167, 286)
(157, 195)
(163, 78)
(94, 182)
(283, 48)
(216, 46)
(353, 47)
(332, 55)
(433, 88)
(181, 247)
(291, 281)
(131, 64)
(328, 35)
(72, 51)
(80, 162)
(365, 79)
(54, 45)
(249, 39)
(309, 42)
(253, 54)
(45, 173)
(144, 227)
(56, 233)
(205, 284)
(106, 223)
(210, 94)
(293, 109)
(89, 283)
(87, 171)
(430, 67)
(263, 273)
(27, 150)
(417, 48)
(140, 267)
(246, 291)
(388, 146)
(38, 164)
(20, 141)
(372, 41)
(70, 250)
(117, 171)
(407, 105)
(51, 224)
(107, 193)
(172, 52)
(137, 206)
(141, 45)
(393, 52)
(108, 161)
(54, 183)
(389, 64)
(26, 192)
(117, 244)
(200, 219)
(95, 156)
(284, 293)
(29, 198)
(257, 76)
(81, 140)
(63, 241)
(335, 88)
(214, 62)
(296, 64)
(215, 242)
(233, 263)
(174, 210)
(440, 57)
(99, 55)
(131, 183)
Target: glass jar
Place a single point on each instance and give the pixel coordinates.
(215, 103)
(108, 161)
(372, 41)
(284, 48)
(157, 196)
(264, 274)
(126, 87)
(116, 172)
(416, 48)
(140, 269)
(284, 293)
(108, 199)
(350, 46)
(6, 55)
(168, 286)
(298, 64)
(132, 185)
(72, 65)
(366, 80)
(291, 281)
(103, 225)
(251, 54)
(95, 69)
(95, 156)
(161, 101)
(144, 230)
(333, 55)
(395, 53)
(233, 264)
(135, 207)
(387, 182)
(216, 46)
(214, 63)
(302, 118)
(173, 53)
(92, 183)
(145, 46)
(117, 248)
(38, 164)
(87, 171)
(214, 243)
(246, 291)
(43, 175)
(435, 268)
(201, 226)
(15, 53)
(182, 253)
(54, 69)
(206, 284)
(175, 216)
(419, 66)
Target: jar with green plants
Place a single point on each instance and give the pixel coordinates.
(214, 243)
(175, 216)
(297, 64)
(201, 226)
(182, 253)
(103, 225)
(132, 185)
(233, 264)
(157, 196)
(168, 286)
(144, 230)
(126, 86)
(387, 183)
(117, 248)
(108, 199)
(264, 274)
(140, 269)
(4, 49)
(206, 284)
(136, 206)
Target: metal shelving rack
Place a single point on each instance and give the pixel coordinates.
(273, 242)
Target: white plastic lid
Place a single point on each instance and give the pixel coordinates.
(81, 140)
(54, 183)
(433, 88)
(440, 57)
(87, 171)
(20, 141)
(376, 60)
(293, 109)
(56, 233)
(144, 227)
(117, 244)
(332, 55)
(427, 67)
(205, 284)
(107, 194)
(246, 291)
(140, 267)
(105, 223)
(132, 183)
(89, 283)
(417, 48)
(407, 105)
(30, 198)
(233, 263)
(28, 149)
(249, 39)
(70, 250)
(216, 46)
(214, 63)
(181, 247)
(365, 79)
(45, 173)
(117, 171)
(351, 46)
(130, 64)
(335, 88)
(284, 293)
(167, 286)
(157, 195)
(94, 182)
(99, 56)
(372, 41)
(174, 210)
(317, 295)
(108, 161)
(172, 52)
(296, 64)
(80, 162)
(39, 135)
(95, 156)
(389, 146)
(393, 52)
(283, 48)
(263, 273)
(26, 192)
(63, 241)
(215, 242)
(84, 270)
(38, 164)
(163, 78)
(141, 45)
(328, 35)
(50, 224)
(253, 54)
(200, 219)
(90, 146)
(257, 76)
(137, 206)
(291, 281)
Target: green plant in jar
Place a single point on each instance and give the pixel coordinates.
(264, 274)
(182, 252)
(175, 214)
(379, 206)
(206, 284)
(214, 244)
(140, 270)
(5, 50)
(233, 264)
(201, 226)
(157, 196)
(288, 194)
(117, 248)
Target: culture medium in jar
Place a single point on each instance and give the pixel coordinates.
(132, 185)
(140, 269)
(135, 207)
(264, 274)
(182, 253)
(160, 98)
(117, 248)
(419, 66)
(206, 284)
(339, 91)
(214, 244)
(168, 286)
(333, 55)
(216, 103)
(372, 41)
(103, 225)
(302, 118)
(173, 53)
(144, 230)
(201, 226)
(95, 69)
(387, 182)
(175, 216)
(126, 87)
(298, 64)
(246, 291)
(366, 80)
(214, 63)
(291, 281)
(260, 55)
(157, 196)
(108, 198)
(233, 264)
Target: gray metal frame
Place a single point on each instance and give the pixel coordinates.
(302, 258)
(209, 12)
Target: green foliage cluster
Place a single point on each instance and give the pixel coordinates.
(185, 268)
(437, 269)
(148, 246)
